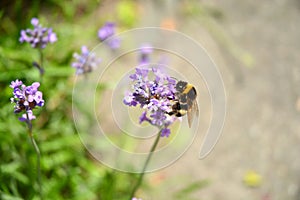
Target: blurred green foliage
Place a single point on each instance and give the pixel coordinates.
(68, 170)
(127, 13)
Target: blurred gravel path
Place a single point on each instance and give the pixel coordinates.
(262, 131)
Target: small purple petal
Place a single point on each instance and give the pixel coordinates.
(30, 98)
(52, 37)
(35, 85)
(165, 132)
(84, 50)
(142, 72)
(114, 43)
(106, 31)
(30, 116)
(129, 100)
(19, 93)
(34, 21)
(15, 84)
(144, 117)
(39, 98)
(24, 37)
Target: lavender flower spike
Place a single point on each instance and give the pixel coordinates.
(26, 98)
(86, 62)
(39, 37)
(107, 31)
(154, 96)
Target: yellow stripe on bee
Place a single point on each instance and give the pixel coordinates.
(187, 88)
(182, 112)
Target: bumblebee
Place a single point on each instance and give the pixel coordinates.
(185, 102)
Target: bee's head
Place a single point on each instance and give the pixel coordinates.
(180, 86)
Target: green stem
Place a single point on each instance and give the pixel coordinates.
(37, 150)
(139, 182)
(41, 63)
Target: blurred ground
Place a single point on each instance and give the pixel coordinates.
(256, 47)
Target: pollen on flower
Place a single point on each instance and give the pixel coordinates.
(38, 37)
(26, 98)
(153, 91)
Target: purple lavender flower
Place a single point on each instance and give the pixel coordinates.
(144, 117)
(165, 132)
(30, 116)
(26, 98)
(39, 37)
(154, 96)
(86, 62)
(129, 99)
(108, 31)
(114, 42)
(145, 51)
(16, 84)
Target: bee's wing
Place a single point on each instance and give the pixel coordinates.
(192, 111)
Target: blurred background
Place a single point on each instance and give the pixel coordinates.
(254, 44)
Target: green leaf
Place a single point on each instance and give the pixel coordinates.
(60, 143)
(11, 170)
(9, 197)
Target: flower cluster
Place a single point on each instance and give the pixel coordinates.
(39, 37)
(155, 96)
(107, 31)
(145, 51)
(85, 62)
(26, 98)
